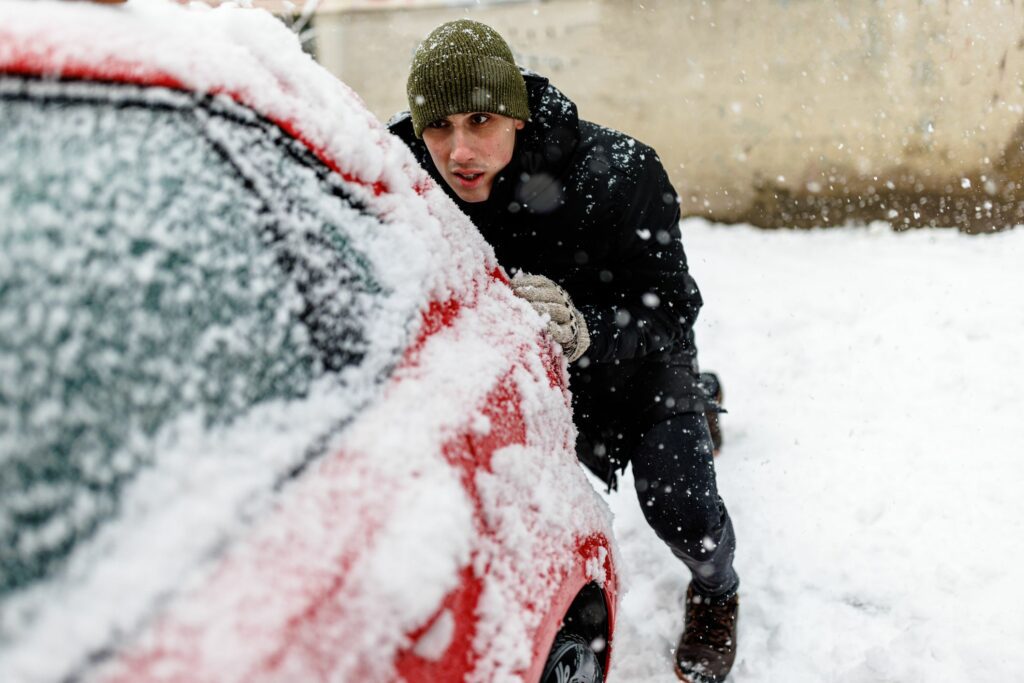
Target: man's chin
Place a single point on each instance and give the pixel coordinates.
(471, 195)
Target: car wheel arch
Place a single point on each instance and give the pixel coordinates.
(585, 605)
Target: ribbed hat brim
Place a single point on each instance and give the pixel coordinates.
(462, 83)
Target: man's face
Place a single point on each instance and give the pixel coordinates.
(471, 149)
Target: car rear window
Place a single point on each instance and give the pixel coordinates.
(168, 262)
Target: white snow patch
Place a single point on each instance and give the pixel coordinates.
(434, 643)
(871, 465)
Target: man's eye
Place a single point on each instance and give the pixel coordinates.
(480, 118)
(440, 123)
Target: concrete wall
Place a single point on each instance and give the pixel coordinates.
(775, 112)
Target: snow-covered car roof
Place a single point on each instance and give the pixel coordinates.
(251, 57)
(436, 268)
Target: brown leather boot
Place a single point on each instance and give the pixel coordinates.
(707, 648)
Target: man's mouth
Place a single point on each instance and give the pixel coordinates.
(468, 179)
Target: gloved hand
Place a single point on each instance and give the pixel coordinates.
(565, 324)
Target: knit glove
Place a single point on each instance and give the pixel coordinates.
(565, 323)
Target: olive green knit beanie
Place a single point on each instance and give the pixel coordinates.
(464, 66)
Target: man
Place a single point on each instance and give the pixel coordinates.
(590, 214)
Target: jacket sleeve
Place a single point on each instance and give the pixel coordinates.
(655, 301)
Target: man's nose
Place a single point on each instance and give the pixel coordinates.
(462, 150)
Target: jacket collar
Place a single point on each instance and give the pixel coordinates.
(547, 142)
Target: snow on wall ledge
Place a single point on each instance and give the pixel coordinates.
(808, 113)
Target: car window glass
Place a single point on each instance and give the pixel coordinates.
(161, 255)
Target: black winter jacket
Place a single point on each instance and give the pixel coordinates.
(593, 210)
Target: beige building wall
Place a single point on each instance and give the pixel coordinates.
(774, 112)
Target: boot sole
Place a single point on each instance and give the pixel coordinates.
(696, 678)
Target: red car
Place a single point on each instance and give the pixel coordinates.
(268, 408)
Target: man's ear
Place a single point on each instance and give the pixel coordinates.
(520, 124)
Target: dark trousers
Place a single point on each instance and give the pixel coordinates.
(674, 475)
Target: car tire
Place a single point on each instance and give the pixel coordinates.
(571, 661)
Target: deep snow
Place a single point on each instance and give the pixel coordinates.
(871, 462)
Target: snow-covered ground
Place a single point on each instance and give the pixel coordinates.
(873, 463)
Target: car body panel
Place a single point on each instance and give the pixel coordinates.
(444, 532)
